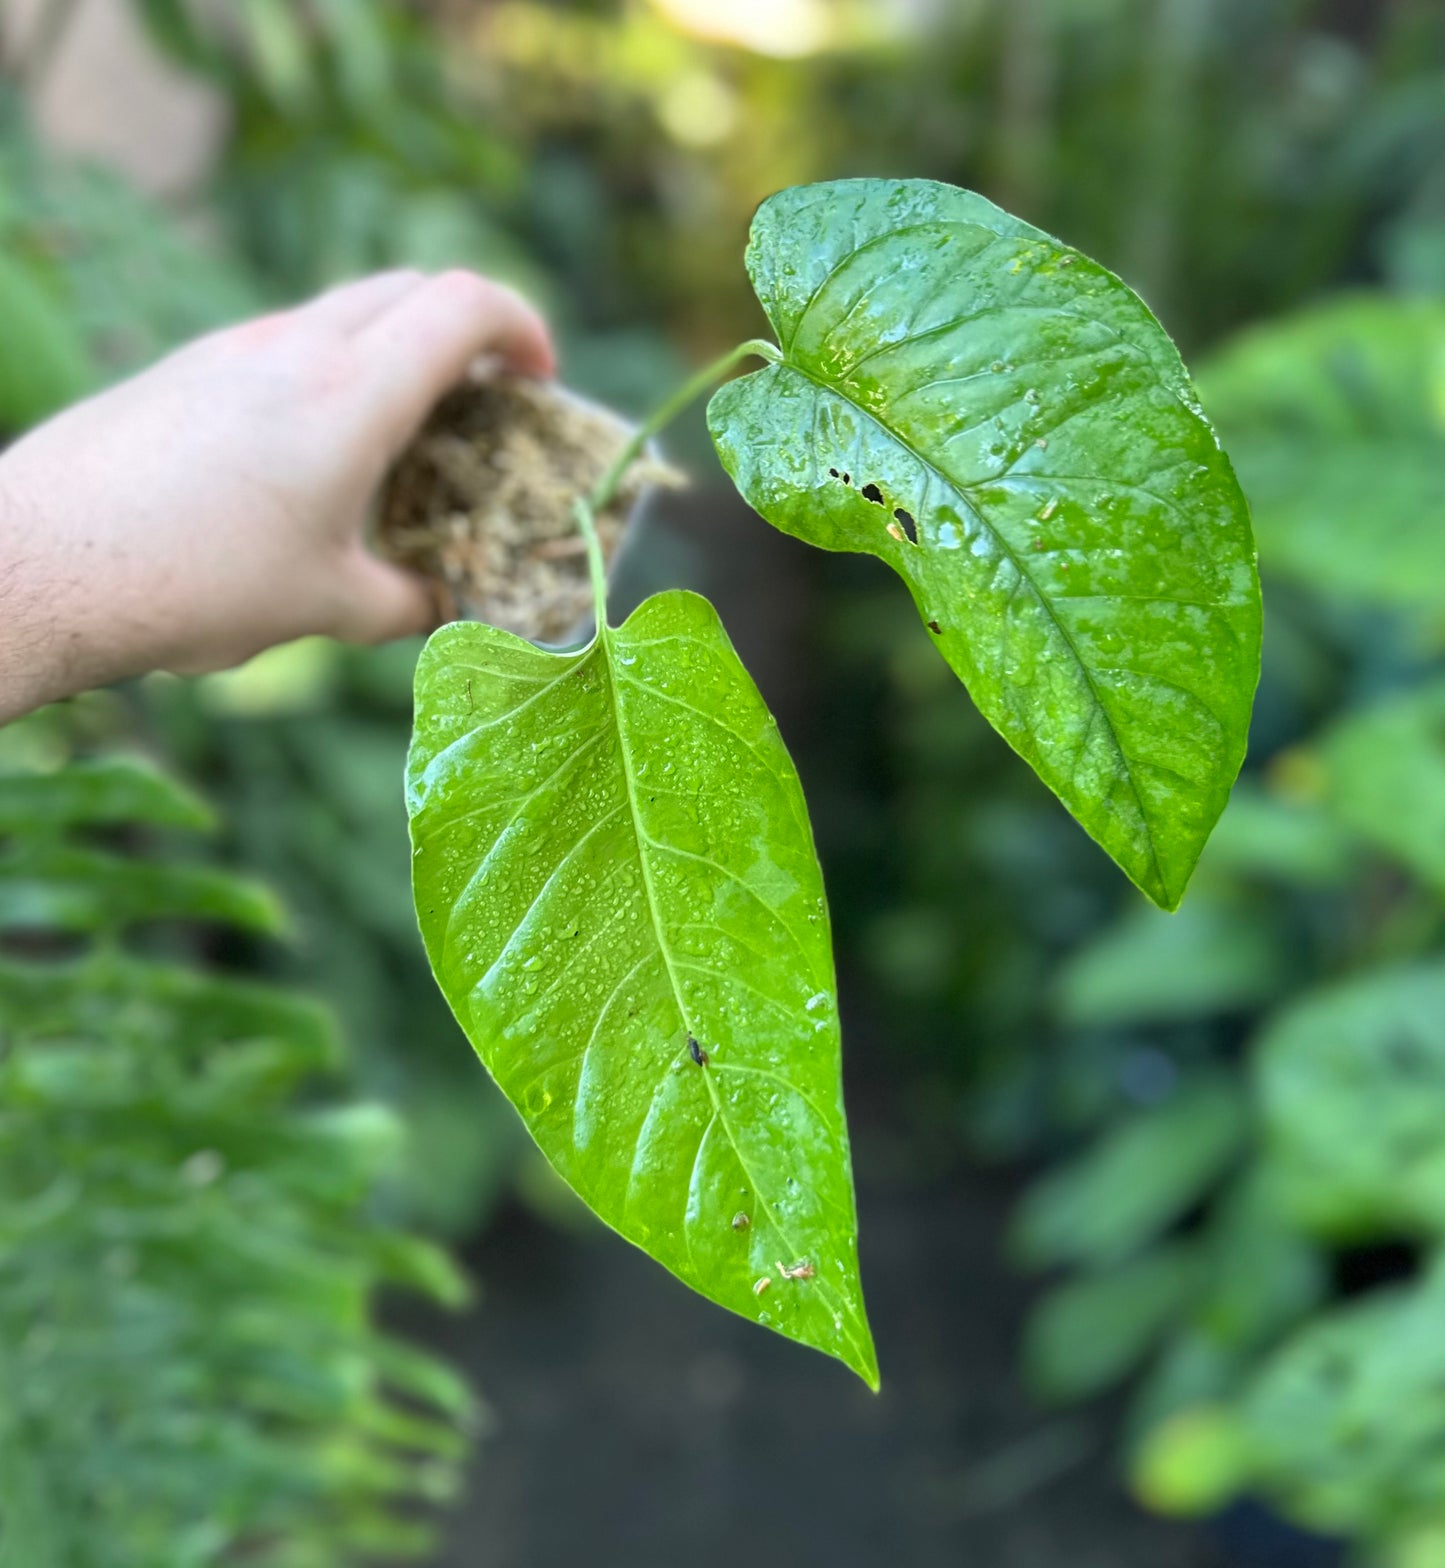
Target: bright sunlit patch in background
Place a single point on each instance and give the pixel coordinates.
(785, 28)
(698, 110)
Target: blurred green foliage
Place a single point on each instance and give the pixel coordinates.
(1307, 974)
(188, 1274)
(1238, 1107)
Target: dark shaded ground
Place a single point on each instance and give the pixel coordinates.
(636, 1424)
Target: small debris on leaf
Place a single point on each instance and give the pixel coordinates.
(698, 1054)
(800, 1270)
(759, 1286)
(741, 1221)
(935, 628)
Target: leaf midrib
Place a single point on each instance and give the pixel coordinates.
(962, 491)
(640, 838)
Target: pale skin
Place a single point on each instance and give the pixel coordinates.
(216, 504)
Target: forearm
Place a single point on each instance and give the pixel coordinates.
(33, 644)
(215, 504)
(74, 612)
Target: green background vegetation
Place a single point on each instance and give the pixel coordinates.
(1235, 1115)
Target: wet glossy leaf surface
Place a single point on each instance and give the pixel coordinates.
(612, 860)
(1004, 423)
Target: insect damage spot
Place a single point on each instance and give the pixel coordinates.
(698, 1054)
(909, 526)
(872, 493)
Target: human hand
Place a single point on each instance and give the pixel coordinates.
(214, 505)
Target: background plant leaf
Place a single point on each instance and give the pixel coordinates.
(43, 360)
(1135, 1182)
(1351, 1406)
(1089, 1333)
(1217, 955)
(1384, 775)
(1004, 423)
(611, 853)
(1378, 1042)
(1336, 418)
(188, 1215)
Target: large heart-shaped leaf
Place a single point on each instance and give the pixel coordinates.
(1004, 423)
(617, 886)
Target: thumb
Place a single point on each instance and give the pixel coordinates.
(382, 602)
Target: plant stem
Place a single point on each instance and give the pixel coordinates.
(596, 565)
(585, 509)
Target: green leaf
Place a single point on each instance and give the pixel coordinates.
(279, 52)
(173, 27)
(1346, 1422)
(1083, 556)
(1385, 777)
(1262, 1273)
(357, 34)
(103, 792)
(611, 853)
(1336, 418)
(178, 1009)
(44, 363)
(87, 890)
(1135, 1182)
(1089, 1334)
(1194, 1463)
(1351, 1082)
(1265, 838)
(1217, 955)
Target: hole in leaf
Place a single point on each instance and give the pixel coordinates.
(909, 526)
(834, 472)
(872, 493)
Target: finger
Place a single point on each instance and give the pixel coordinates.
(351, 306)
(421, 347)
(384, 602)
